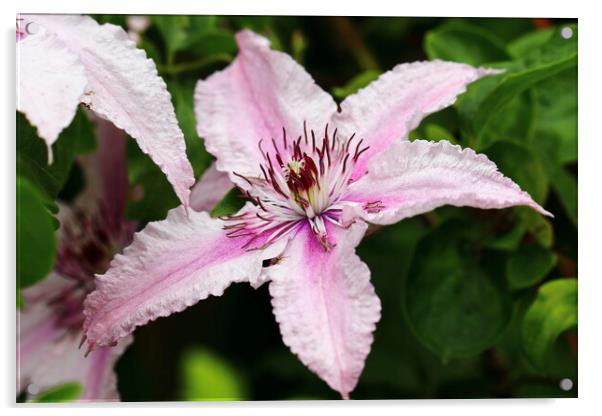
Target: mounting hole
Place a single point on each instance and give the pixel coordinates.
(33, 388)
(566, 32)
(566, 384)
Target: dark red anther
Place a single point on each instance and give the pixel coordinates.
(356, 157)
(284, 137)
(305, 131)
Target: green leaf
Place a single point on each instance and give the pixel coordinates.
(32, 154)
(563, 182)
(359, 81)
(525, 44)
(455, 306)
(67, 392)
(538, 225)
(487, 97)
(528, 266)
(466, 43)
(556, 114)
(553, 312)
(182, 32)
(36, 241)
(520, 164)
(206, 376)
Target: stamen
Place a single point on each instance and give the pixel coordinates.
(307, 184)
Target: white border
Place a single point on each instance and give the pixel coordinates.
(590, 153)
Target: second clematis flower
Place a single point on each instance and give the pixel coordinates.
(316, 174)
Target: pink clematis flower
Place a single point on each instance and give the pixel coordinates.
(91, 231)
(316, 175)
(71, 59)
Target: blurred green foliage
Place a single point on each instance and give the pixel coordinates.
(476, 303)
(67, 392)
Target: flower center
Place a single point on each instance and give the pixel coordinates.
(302, 180)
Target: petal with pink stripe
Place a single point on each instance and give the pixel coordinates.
(393, 105)
(261, 92)
(412, 178)
(325, 304)
(170, 265)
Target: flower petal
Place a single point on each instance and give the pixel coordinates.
(65, 362)
(171, 264)
(412, 178)
(210, 189)
(326, 305)
(261, 92)
(123, 87)
(36, 328)
(393, 105)
(51, 81)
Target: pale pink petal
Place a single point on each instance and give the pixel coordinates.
(261, 92)
(171, 264)
(326, 305)
(210, 189)
(393, 105)
(37, 329)
(65, 362)
(123, 87)
(412, 178)
(51, 81)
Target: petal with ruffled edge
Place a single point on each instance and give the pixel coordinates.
(393, 105)
(65, 362)
(170, 265)
(123, 87)
(261, 92)
(412, 178)
(51, 81)
(210, 189)
(325, 304)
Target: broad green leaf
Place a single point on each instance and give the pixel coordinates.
(556, 114)
(528, 42)
(32, 154)
(528, 266)
(356, 83)
(563, 182)
(206, 376)
(515, 122)
(455, 306)
(36, 241)
(508, 239)
(538, 225)
(67, 392)
(181, 31)
(486, 98)
(520, 164)
(464, 42)
(553, 312)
